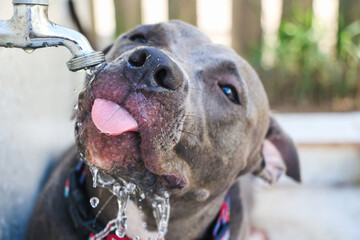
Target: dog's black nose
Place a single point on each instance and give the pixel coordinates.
(155, 68)
(138, 58)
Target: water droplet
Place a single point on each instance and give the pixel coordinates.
(76, 107)
(130, 187)
(140, 194)
(105, 180)
(136, 238)
(94, 171)
(89, 71)
(120, 233)
(116, 189)
(29, 50)
(94, 202)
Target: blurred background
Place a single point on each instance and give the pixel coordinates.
(306, 52)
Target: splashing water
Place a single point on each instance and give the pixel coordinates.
(161, 207)
(94, 171)
(123, 191)
(123, 199)
(90, 71)
(93, 71)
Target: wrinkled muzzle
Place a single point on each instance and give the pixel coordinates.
(130, 118)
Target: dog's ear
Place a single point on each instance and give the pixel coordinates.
(279, 155)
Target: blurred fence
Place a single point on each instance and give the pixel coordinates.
(306, 51)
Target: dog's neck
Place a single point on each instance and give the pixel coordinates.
(189, 219)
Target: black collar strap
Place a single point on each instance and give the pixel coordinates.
(78, 204)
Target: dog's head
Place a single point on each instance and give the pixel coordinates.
(172, 110)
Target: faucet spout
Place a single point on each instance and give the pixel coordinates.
(30, 28)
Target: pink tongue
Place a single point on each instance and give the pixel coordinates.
(112, 119)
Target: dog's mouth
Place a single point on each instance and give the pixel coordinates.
(130, 137)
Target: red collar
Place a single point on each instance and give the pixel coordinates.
(108, 237)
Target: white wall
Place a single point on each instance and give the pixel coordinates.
(36, 101)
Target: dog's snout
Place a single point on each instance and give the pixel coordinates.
(155, 68)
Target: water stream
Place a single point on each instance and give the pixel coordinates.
(161, 207)
(123, 191)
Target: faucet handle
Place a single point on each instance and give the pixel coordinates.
(33, 2)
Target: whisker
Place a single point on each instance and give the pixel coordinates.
(184, 146)
(193, 136)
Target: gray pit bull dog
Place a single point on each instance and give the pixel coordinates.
(170, 111)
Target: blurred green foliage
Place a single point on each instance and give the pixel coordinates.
(304, 76)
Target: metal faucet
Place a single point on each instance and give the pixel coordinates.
(30, 28)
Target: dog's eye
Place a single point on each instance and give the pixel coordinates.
(230, 93)
(138, 38)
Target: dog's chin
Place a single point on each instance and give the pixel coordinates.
(120, 157)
